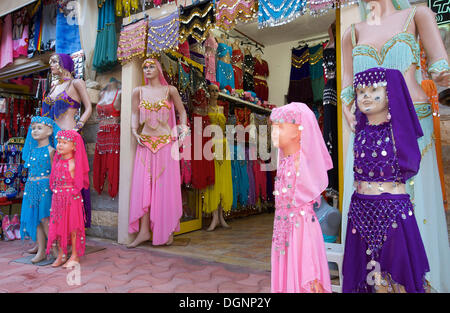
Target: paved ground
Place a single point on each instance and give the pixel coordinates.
(117, 269)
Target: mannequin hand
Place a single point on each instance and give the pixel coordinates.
(442, 78)
(138, 138)
(350, 117)
(184, 131)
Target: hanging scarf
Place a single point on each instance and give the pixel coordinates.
(229, 12)
(278, 12)
(163, 34)
(132, 41)
(196, 20)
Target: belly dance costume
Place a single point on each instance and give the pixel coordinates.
(222, 191)
(224, 72)
(37, 196)
(261, 88)
(210, 58)
(107, 149)
(330, 129)
(381, 229)
(240, 176)
(156, 184)
(67, 214)
(237, 58)
(55, 109)
(249, 67)
(298, 260)
(400, 52)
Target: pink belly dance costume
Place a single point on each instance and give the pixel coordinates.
(299, 262)
(156, 184)
(67, 214)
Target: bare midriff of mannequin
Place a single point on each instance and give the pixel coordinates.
(159, 91)
(217, 215)
(391, 22)
(75, 89)
(41, 132)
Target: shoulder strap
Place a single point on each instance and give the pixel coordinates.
(410, 18)
(353, 36)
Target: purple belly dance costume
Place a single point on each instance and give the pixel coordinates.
(55, 109)
(383, 244)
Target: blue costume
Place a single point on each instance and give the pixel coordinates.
(37, 197)
(240, 175)
(224, 72)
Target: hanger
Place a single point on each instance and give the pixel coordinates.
(301, 44)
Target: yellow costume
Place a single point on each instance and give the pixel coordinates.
(222, 191)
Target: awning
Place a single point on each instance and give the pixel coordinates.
(8, 6)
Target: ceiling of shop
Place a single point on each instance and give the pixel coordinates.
(304, 27)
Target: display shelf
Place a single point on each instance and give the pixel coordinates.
(248, 104)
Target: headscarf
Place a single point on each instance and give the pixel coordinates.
(31, 143)
(405, 124)
(81, 179)
(162, 80)
(315, 160)
(398, 5)
(66, 62)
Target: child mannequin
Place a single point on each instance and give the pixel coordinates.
(38, 155)
(299, 262)
(69, 175)
(383, 249)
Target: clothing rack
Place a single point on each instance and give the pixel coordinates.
(315, 38)
(243, 103)
(252, 42)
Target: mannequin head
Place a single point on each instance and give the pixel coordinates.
(61, 65)
(372, 102)
(65, 148)
(213, 90)
(153, 73)
(40, 131)
(286, 136)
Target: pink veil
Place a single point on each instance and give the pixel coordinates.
(81, 179)
(315, 160)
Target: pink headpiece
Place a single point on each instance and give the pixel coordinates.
(81, 179)
(315, 160)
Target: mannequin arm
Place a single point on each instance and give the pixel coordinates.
(347, 80)
(80, 86)
(175, 96)
(432, 42)
(135, 98)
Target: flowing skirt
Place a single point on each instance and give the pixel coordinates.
(37, 200)
(383, 239)
(156, 187)
(66, 217)
(299, 261)
(426, 196)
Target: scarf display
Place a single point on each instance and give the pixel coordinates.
(196, 20)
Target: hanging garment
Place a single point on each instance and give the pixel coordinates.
(237, 61)
(320, 7)
(229, 12)
(239, 172)
(105, 52)
(20, 33)
(316, 72)
(210, 58)
(132, 41)
(300, 87)
(6, 51)
(251, 177)
(196, 51)
(261, 88)
(249, 66)
(162, 34)
(279, 12)
(47, 39)
(196, 20)
(224, 71)
(126, 7)
(67, 36)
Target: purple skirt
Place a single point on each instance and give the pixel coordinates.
(383, 238)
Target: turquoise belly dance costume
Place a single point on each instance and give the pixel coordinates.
(224, 72)
(400, 52)
(55, 109)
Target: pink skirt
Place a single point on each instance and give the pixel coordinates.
(156, 187)
(299, 261)
(66, 217)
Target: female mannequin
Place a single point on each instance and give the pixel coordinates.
(299, 262)
(64, 101)
(155, 203)
(224, 71)
(107, 149)
(393, 33)
(219, 197)
(38, 156)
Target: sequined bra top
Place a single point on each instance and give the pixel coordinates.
(223, 49)
(155, 113)
(329, 62)
(374, 152)
(398, 53)
(56, 108)
(63, 179)
(39, 164)
(107, 111)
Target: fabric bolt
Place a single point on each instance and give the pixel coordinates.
(132, 41)
(299, 262)
(162, 34)
(230, 12)
(67, 214)
(222, 190)
(237, 58)
(7, 48)
(156, 183)
(196, 20)
(300, 85)
(249, 67)
(105, 51)
(278, 12)
(67, 35)
(210, 58)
